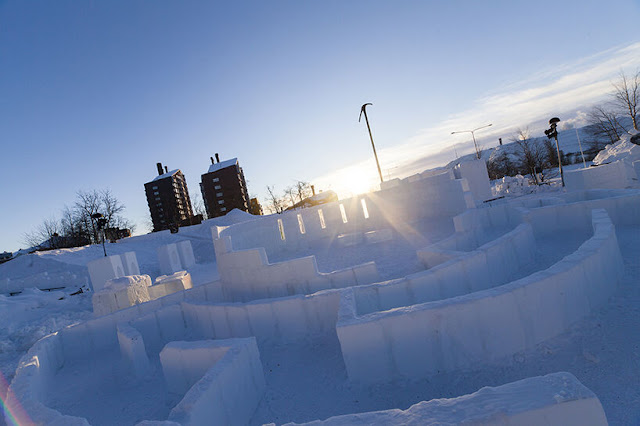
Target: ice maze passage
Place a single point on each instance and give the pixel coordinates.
(480, 295)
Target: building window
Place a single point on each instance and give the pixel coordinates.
(156, 193)
(157, 198)
(223, 209)
(343, 213)
(217, 187)
(216, 179)
(221, 202)
(218, 194)
(154, 187)
(323, 225)
(365, 211)
(281, 229)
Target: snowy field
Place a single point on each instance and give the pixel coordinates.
(306, 378)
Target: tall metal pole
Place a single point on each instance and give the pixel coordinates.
(375, 154)
(475, 144)
(559, 159)
(552, 132)
(584, 163)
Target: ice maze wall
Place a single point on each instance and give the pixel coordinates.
(426, 198)
(222, 381)
(619, 174)
(453, 273)
(482, 327)
(554, 399)
(247, 274)
(477, 328)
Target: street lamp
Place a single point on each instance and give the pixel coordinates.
(363, 109)
(101, 223)
(473, 136)
(552, 132)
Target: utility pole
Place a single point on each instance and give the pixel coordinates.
(363, 109)
(584, 163)
(473, 135)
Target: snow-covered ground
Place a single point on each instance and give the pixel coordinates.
(307, 380)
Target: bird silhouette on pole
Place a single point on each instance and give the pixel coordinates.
(363, 110)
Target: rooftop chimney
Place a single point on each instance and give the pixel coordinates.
(160, 172)
(217, 158)
(212, 162)
(166, 170)
(313, 190)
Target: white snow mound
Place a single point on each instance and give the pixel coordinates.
(621, 150)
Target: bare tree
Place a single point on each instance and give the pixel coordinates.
(45, 233)
(532, 157)
(88, 204)
(290, 192)
(604, 124)
(198, 206)
(303, 190)
(274, 203)
(626, 95)
(111, 208)
(76, 226)
(501, 166)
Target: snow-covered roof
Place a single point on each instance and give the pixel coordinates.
(223, 165)
(324, 195)
(166, 175)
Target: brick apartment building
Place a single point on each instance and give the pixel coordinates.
(224, 188)
(168, 199)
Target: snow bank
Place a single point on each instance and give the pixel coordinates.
(481, 327)
(554, 399)
(624, 150)
(224, 380)
(248, 275)
(43, 281)
(512, 185)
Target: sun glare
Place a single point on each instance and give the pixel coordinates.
(356, 182)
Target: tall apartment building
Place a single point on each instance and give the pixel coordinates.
(168, 199)
(224, 188)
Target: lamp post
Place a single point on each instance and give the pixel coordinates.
(552, 132)
(101, 223)
(363, 109)
(475, 144)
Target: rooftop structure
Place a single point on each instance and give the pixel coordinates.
(224, 187)
(168, 199)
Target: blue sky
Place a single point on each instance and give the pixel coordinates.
(93, 94)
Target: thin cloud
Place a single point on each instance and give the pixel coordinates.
(565, 89)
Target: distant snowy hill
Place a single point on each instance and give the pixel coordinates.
(569, 141)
